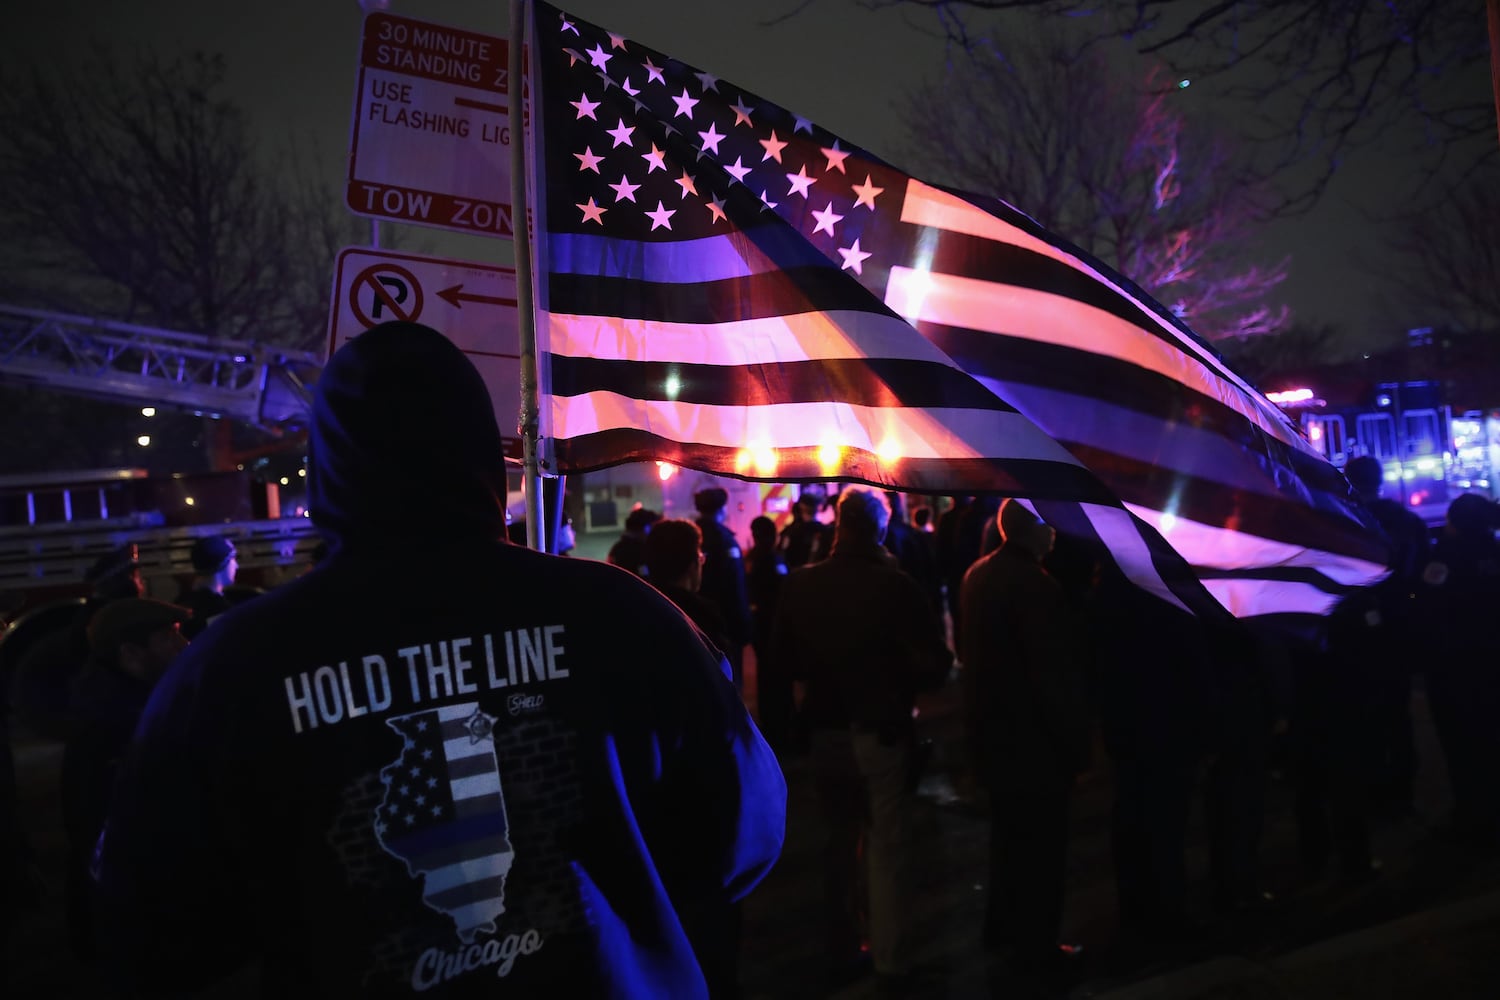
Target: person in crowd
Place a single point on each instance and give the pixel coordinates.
(861, 637)
(765, 571)
(913, 552)
(1025, 702)
(723, 583)
(806, 539)
(1380, 644)
(496, 771)
(1246, 701)
(133, 641)
(629, 551)
(674, 566)
(1333, 743)
(215, 564)
(1460, 592)
(1149, 656)
(45, 675)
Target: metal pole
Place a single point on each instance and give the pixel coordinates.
(536, 537)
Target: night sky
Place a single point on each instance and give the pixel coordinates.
(293, 63)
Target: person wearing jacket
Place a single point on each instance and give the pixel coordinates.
(861, 636)
(494, 772)
(1024, 660)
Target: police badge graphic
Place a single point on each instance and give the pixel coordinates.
(443, 814)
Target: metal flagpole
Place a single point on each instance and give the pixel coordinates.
(536, 537)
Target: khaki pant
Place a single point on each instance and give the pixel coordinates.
(865, 796)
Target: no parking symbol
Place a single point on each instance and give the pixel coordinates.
(384, 292)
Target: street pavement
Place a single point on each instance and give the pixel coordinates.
(1429, 926)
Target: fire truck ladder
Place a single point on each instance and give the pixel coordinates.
(261, 385)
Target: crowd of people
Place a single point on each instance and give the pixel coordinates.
(1059, 656)
(503, 764)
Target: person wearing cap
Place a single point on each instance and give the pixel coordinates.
(214, 567)
(1029, 732)
(132, 641)
(497, 772)
(723, 582)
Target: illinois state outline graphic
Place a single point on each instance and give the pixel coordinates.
(443, 814)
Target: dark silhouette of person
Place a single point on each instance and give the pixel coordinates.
(215, 565)
(50, 667)
(805, 539)
(1460, 592)
(765, 572)
(913, 551)
(133, 641)
(496, 770)
(629, 551)
(1025, 662)
(723, 583)
(861, 637)
(674, 566)
(1149, 657)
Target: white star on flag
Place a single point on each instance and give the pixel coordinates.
(687, 183)
(585, 107)
(593, 212)
(655, 158)
(716, 209)
(836, 157)
(625, 191)
(738, 170)
(653, 72)
(588, 161)
(711, 138)
(854, 257)
(866, 194)
(685, 104)
(826, 219)
(599, 57)
(621, 133)
(800, 182)
(661, 218)
(773, 147)
(742, 114)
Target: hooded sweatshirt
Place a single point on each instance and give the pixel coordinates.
(438, 764)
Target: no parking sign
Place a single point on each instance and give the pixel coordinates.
(473, 305)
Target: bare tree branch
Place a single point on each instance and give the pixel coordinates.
(1119, 170)
(1322, 77)
(137, 191)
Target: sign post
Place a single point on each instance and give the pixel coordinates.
(473, 305)
(430, 142)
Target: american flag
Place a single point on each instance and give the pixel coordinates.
(443, 814)
(726, 286)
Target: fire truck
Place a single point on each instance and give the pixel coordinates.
(54, 526)
(1433, 439)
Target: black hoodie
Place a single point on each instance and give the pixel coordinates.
(438, 763)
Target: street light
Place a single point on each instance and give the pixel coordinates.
(144, 440)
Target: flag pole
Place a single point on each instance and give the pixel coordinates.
(535, 534)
